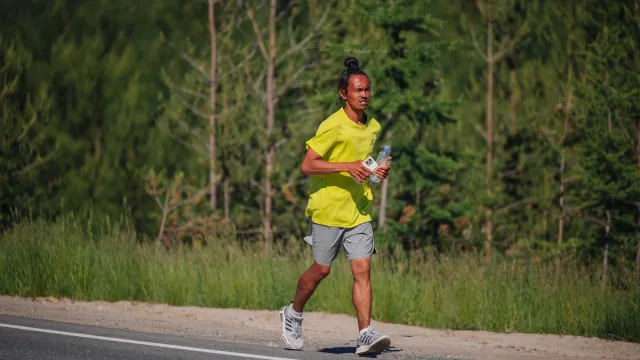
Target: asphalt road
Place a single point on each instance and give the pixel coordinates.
(26, 338)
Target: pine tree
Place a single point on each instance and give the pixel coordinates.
(610, 178)
(24, 121)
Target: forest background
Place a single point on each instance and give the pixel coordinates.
(180, 125)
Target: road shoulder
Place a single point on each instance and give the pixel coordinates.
(322, 331)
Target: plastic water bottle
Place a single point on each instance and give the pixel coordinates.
(382, 158)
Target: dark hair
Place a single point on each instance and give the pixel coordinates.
(352, 68)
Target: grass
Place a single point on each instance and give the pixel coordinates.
(72, 258)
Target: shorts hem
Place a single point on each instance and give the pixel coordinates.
(366, 256)
(323, 263)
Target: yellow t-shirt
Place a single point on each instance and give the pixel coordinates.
(337, 199)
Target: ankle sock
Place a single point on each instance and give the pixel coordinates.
(293, 312)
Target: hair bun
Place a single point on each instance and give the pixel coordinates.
(351, 63)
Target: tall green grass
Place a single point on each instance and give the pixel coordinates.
(72, 258)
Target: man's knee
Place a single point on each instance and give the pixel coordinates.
(361, 269)
(320, 272)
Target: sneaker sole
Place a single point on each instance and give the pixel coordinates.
(283, 330)
(378, 346)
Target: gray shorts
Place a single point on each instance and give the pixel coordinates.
(326, 242)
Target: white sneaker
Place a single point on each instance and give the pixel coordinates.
(371, 342)
(291, 328)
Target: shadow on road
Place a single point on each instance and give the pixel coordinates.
(340, 350)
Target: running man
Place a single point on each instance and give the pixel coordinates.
(340, 208)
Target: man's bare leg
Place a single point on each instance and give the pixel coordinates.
(307, 284)
(291, 315)
(362, 295)
(370, 341)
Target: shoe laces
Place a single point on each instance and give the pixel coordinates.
(297, 327)
(296, 324)
(370, 331)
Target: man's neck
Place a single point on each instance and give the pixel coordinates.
(356, 116)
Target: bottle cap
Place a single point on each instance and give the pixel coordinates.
(387, 148)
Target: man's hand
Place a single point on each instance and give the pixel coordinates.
(383, 171)
(314, 165)
(358, 171)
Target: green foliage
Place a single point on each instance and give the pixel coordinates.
(608, 136)
(23, 145)
(100, 92)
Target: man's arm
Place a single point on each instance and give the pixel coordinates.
(313, 164)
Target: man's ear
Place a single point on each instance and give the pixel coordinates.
(343, 94)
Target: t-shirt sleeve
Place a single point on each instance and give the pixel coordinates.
(323, 141)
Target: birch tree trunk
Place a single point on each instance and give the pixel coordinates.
(163, 222)
(212, 106)
(488, 246)
(225, 185)
(605, 258)
(270, 107)
(607, 228)
(565, 130)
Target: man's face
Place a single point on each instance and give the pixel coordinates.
(358, 92)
